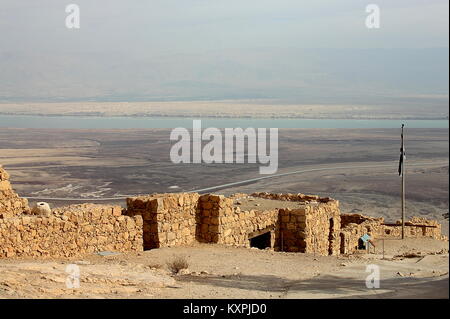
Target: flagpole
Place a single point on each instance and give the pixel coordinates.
(403, 184)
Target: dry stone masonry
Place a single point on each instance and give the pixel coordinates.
(70, 231)
(169, 219)
(353, 226)
(223, 223)
(10, 203)
(290, 222)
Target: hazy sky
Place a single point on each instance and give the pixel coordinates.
(177, 47)
(199, 25)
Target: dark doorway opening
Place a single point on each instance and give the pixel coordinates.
(331, 237)
(262, 241)
(342, 243)
(361, 244)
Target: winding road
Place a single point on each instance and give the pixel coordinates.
(392, 164)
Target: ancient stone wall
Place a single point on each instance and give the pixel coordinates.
(416, 227)
(311, 229)
(10, 203)
(70, 231)
(238, 227)
(211, 208)
(169, 219)
(224, 224)
(314, 228)
(353, 226)
(323, 228)
(292, 224)
(293, 197)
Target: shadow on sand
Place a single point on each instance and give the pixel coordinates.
(335, 287)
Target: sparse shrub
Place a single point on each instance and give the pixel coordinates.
(410, 255)
(155, 266)
(178, 263)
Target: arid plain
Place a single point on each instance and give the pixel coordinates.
(356, 166)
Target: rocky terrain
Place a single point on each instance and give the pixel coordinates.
(410, 269)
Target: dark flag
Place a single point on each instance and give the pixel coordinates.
(402, 155)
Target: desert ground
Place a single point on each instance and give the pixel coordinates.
(409, 269)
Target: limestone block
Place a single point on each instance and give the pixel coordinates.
(41, 208)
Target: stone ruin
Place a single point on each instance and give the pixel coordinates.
(66, 232)
(185, 218)
(314, 226)
(298, 223)
(355, 225)
(10, 203)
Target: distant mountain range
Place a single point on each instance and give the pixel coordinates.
(409, 77)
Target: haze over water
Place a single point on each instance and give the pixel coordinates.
(77, 122)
